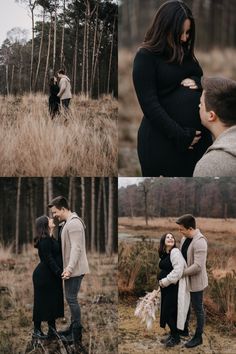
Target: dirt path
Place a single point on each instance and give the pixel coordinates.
(134, 338)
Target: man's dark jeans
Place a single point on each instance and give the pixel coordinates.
(72, 287)
(65, 103)
(197, 304)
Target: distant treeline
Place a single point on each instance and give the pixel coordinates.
(79, 36)
(215, 21)
(94, 199)
(166, 197)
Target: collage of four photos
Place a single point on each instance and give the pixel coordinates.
(117, 176)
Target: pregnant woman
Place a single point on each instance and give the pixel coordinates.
(47, 280)
(166, 77)
(175, 297)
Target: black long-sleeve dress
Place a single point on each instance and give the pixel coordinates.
(48, 291)
(171, 115)
(54, 101)
(169, 296)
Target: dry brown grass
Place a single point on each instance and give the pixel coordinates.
(34, 145)
(215, 62)
(98, 298)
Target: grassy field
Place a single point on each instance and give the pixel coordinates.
(84, 142)
(98, 299)
(130, 114)
(138, 271)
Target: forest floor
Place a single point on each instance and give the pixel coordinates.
(130, 114)
(83, 142)
(98, 299)
(219, 298)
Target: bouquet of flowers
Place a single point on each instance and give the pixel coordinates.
(147, 306)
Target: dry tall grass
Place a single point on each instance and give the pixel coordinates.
(83, 143)
(97, 296)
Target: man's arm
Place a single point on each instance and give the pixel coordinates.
(200, 254)
(75, 230)
(62, 86)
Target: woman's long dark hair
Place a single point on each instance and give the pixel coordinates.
(164, 34)
(42, 229)
(162, 246)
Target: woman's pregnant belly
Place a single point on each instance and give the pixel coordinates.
(182, 105)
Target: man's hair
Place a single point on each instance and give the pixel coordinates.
(187, 221)
(61, 71)
(220, 97)
(59, 202)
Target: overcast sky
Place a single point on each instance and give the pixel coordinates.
(125, 181)
(13, 15)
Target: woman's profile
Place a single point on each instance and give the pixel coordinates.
(166, 77)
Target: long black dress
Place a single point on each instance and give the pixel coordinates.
(169, 296)
(54, 101)
(171, 115)
(48, 291)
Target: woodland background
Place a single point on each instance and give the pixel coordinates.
(163, 197)
(77, 35)
(215, 50)
(24, 199)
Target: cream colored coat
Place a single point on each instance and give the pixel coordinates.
(179, 264)
(196, 262)
(65, 88)
(73, 246)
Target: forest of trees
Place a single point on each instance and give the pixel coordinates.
(166, 197)
(215, 21)
(79, 36)
(94, 199)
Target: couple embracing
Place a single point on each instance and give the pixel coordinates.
(60, 259)
(182, 279)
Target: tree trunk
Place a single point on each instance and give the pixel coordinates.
(32, 47)
(63, 36)
(84, 55)
(75, 57)
(54, 37)
(48, 55)
(45, 195)
(71, 184)
(50, 189)
(40, 51)
(94, 50)
(109, 245)
(17, 215)
(93, 243)
(110, 59)
(99, 205)
(105, 211)
(32, 209)
(97, 54)
(7, 79)
(12, 78)
(82, 198)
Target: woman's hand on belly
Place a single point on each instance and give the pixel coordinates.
(189, 83)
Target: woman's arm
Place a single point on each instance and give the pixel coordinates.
(45, 246)
(144, 78)
(178, 268)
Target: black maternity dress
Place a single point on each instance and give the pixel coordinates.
(48, 291)
(169, 296)
(54, 101)
(171, 115)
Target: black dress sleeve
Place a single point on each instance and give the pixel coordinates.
(144, 78)
(47, 257)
